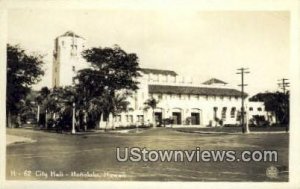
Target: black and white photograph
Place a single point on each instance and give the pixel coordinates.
(163, 93)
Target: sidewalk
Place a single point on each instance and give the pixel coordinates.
(12, 139)
(219, 132)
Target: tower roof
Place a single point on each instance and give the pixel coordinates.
(70, 34)
(214, 81)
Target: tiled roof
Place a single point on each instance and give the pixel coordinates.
(169, 89)
(70, 34)
(212, 81)
(157, 71)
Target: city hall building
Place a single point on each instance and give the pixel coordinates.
(211, 103)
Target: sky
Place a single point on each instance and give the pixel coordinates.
(198, 44)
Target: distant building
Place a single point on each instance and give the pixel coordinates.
(212, 103)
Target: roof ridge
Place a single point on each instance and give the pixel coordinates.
(158, 71)
(194, 90)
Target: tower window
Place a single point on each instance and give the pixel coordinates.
(73, 68)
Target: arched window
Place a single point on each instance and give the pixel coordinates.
(232, 112)
(215, 112)
(224, 109)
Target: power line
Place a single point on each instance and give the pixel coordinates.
(243, 71)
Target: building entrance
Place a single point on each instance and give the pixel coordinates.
(195, 118)
(177, 118)
(158, 118)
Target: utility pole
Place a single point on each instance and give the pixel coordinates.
(283, 84)
(243, 71)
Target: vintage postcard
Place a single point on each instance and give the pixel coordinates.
(189, 93)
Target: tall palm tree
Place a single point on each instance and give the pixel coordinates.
(119, 104)
(152, 103)
(41, 99)
(97, 108)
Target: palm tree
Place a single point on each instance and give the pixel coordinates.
(97, 108)
(119, 104)
(152, 103)
(41, 101)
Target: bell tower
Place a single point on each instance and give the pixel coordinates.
(67, 58)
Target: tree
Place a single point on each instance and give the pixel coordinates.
(43, 101)
(44, 92)
(152, 103)
(23, 70)
(59, 105)
(275, 102)
(113, 72)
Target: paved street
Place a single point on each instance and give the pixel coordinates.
(61, 154)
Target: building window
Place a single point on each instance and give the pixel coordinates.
(140, 118)
(229, 98)
(118, 118)
(250, 109)
(206, 97)
(215, 112)
(73, 68)
(232, 112)
(221, 97)
(189, 96)
(129, 118)
(224, 112)
(62, 43)
(259, 109)
(198, 97)
(214, 97)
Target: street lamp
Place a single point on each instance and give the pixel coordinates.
(46, 121)
(38, 115)
(73, 119)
